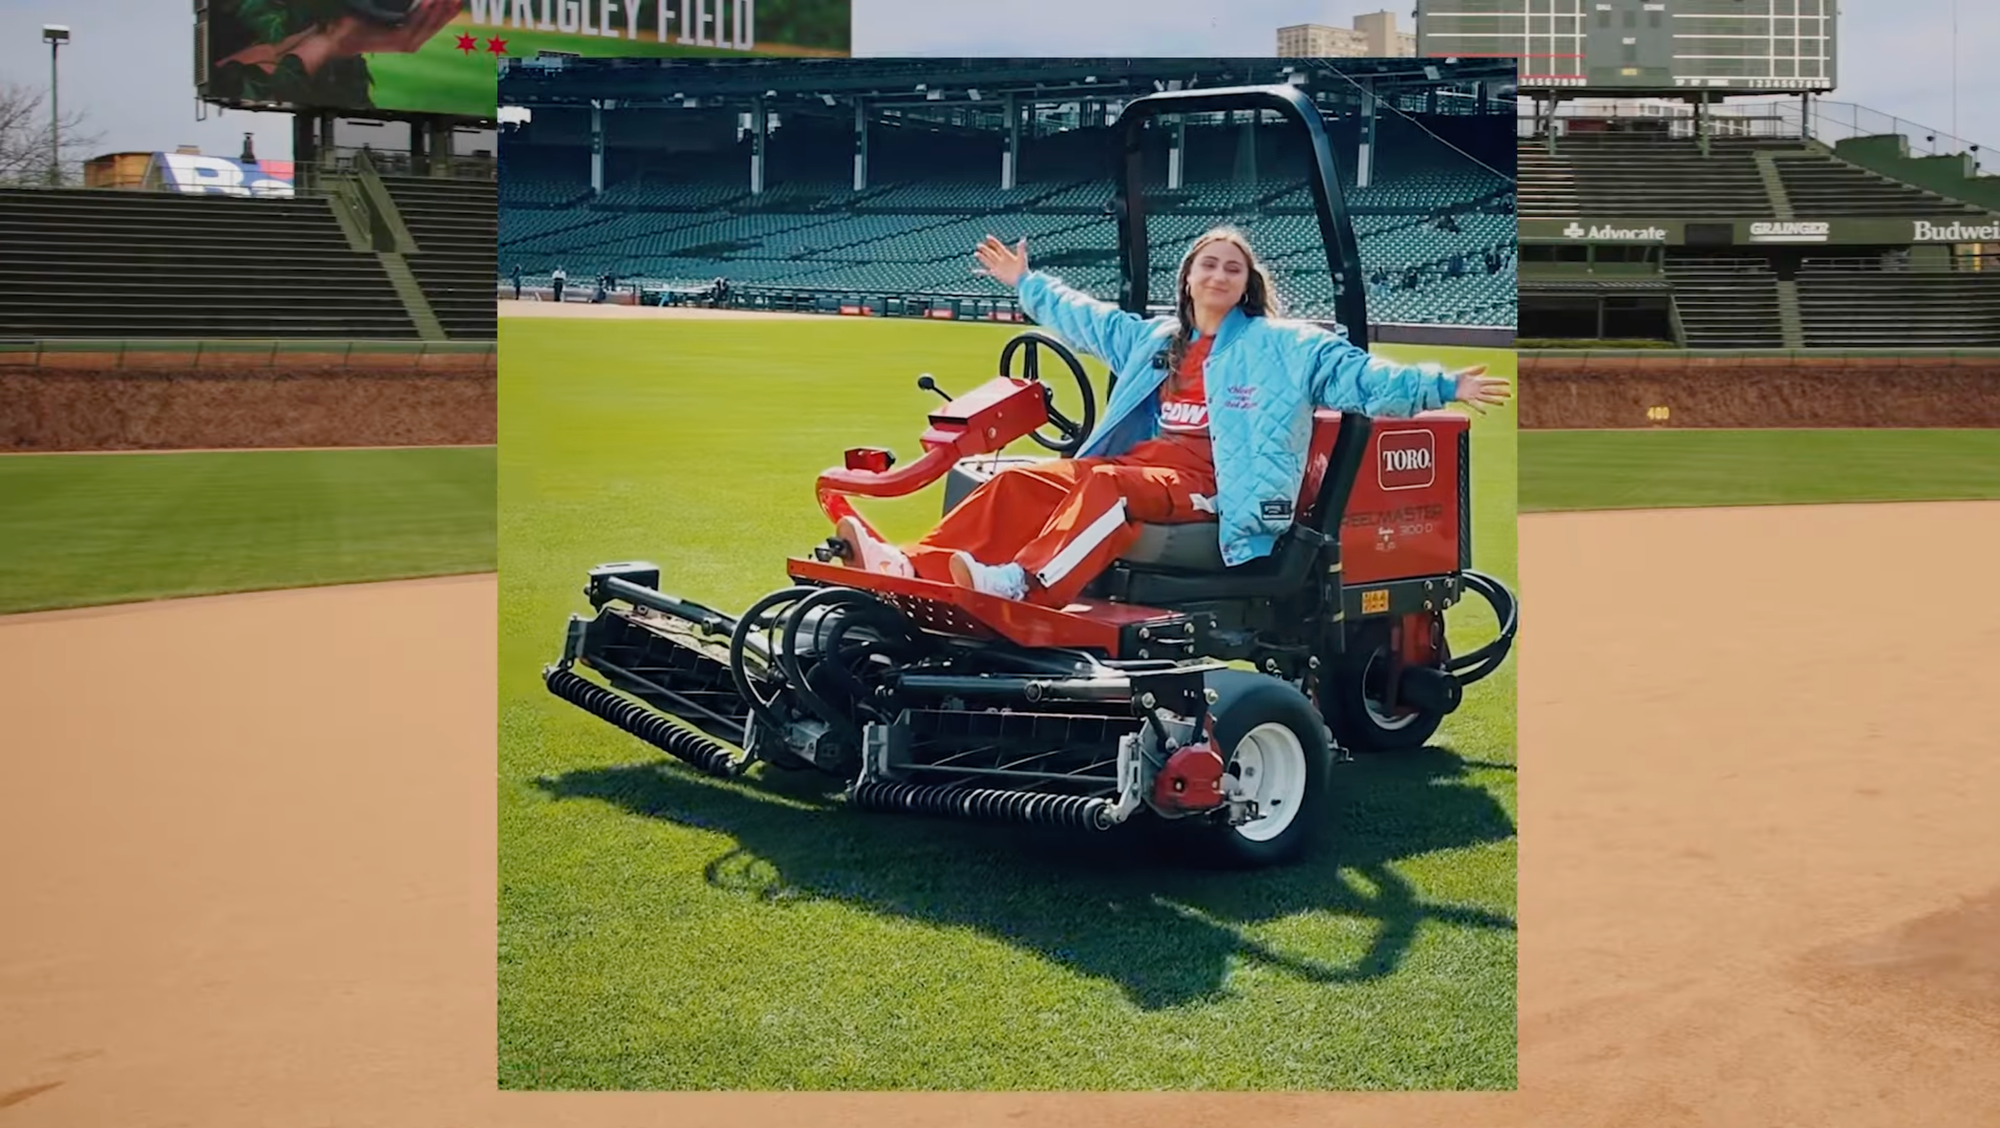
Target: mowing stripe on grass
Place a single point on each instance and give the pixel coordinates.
(1579, 470)
(79, 529)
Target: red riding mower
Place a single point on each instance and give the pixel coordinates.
(1122, 707)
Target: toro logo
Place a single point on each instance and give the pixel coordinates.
(1407, 460)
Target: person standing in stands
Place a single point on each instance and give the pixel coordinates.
(557, 279)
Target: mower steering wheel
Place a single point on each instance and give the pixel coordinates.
(1071, 433)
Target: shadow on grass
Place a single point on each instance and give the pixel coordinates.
(1100, 904)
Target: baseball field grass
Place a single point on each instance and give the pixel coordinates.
(1641, 469)
(86, 529)
(664, 930)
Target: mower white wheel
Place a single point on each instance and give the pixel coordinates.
(1384, 720)
(1275, 752)
(1268, 767)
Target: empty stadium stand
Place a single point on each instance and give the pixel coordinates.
(86, 263)
(1866, 292)
(1629, 176)
(686, 220)
(1636, 175)
(1865, 303)
(454, 223)
(1727, 303)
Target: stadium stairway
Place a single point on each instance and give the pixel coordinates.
(455, 225)
(129, 264)
(1727, 303)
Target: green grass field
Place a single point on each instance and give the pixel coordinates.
(660, 929)
(1572, 470)
(84, 529)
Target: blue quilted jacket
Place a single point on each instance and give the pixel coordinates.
(1264, 379)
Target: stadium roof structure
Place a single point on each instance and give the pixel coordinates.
(633, 83)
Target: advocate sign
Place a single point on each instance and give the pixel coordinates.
(443, 56)
(1611, 233)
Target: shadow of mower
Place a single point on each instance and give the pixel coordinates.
(1098, 904)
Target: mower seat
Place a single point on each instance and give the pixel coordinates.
(1192, 547)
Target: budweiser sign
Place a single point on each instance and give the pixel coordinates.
(1957, 231)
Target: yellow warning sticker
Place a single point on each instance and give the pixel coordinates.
(1374, 602)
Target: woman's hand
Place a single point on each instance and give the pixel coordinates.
(1000, 261)
(1476, 389)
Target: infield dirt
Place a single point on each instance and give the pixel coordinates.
(1756, 889)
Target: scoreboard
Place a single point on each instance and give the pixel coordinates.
(1643, 46)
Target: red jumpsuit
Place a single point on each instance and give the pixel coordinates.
(1065, 521)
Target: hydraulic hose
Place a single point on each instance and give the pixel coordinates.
(1471, 667)
(740, 636)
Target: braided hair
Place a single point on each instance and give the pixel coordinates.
(1260, 294)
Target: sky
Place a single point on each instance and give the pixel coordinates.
(130, 62)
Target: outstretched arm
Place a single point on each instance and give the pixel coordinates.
(1346, 378)
(1093, 326)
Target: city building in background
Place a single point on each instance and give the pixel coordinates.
(1373, 36)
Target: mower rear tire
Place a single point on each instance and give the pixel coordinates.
(1356, 714)
(1273, 742)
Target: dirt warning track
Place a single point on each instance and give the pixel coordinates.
(1633, 391)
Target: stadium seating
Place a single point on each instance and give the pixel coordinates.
(1643, 176)
(1826, 187)
(127, 264)
(1634, 176)
(1727, 303)
(1866, 304)
(683, 222)
(454, 223)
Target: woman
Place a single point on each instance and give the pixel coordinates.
(1210, 421)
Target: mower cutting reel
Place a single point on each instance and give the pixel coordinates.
(919, 722)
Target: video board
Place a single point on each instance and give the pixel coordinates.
(442, 56)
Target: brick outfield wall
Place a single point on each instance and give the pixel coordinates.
(449, 401)
(1560, 392)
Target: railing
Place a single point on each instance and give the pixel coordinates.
(248, 354)
(397, 162)
(1900, 263)
(1785, 119)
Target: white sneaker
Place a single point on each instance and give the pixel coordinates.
(1008, 581)
(870, 554)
